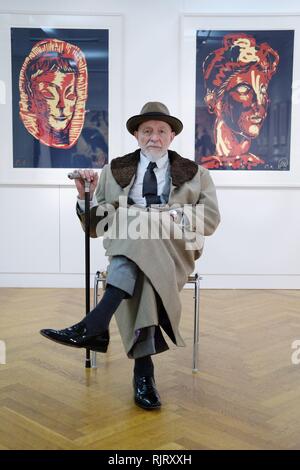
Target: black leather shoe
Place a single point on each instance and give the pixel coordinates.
(77, 337)
(145, 393)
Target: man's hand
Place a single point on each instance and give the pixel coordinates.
(89, 175)
(176, 215)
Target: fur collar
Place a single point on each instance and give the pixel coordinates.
(124, 168)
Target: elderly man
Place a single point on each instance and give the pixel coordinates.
(146, 273)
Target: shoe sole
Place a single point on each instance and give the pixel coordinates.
(156, 407)
(92, 348)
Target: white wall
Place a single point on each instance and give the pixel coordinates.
(257, 244)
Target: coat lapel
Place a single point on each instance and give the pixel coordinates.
(124, 169)
(181, 169)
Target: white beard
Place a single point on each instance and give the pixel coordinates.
(153, 156)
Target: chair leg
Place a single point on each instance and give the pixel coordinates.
(196, 324)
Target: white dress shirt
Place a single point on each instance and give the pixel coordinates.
(161, 173)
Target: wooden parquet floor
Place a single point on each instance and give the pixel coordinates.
(245, 396)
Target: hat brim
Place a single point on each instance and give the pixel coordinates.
(133, 123)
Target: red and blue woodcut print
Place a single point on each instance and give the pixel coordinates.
(243, 99)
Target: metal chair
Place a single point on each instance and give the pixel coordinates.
(195, 279)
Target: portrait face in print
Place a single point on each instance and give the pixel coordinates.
(246, 102)
(54, 97)
(236, 86)
(53, 92)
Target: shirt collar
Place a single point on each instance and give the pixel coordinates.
(161, 162)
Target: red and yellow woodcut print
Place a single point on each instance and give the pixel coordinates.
(53, 87)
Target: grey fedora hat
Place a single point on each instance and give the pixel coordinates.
(158, 112)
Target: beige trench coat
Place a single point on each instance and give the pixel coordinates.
(165, 263)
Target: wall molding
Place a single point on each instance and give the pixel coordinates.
(209, 281)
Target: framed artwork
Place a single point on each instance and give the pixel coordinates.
(238, 100)
(60, 89)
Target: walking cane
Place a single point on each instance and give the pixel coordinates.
(72, 176)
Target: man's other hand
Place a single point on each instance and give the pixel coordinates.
(89, 175)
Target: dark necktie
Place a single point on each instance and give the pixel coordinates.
(150, 185)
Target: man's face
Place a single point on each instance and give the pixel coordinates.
(154, 138)
(54, 96)
(244, 104)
